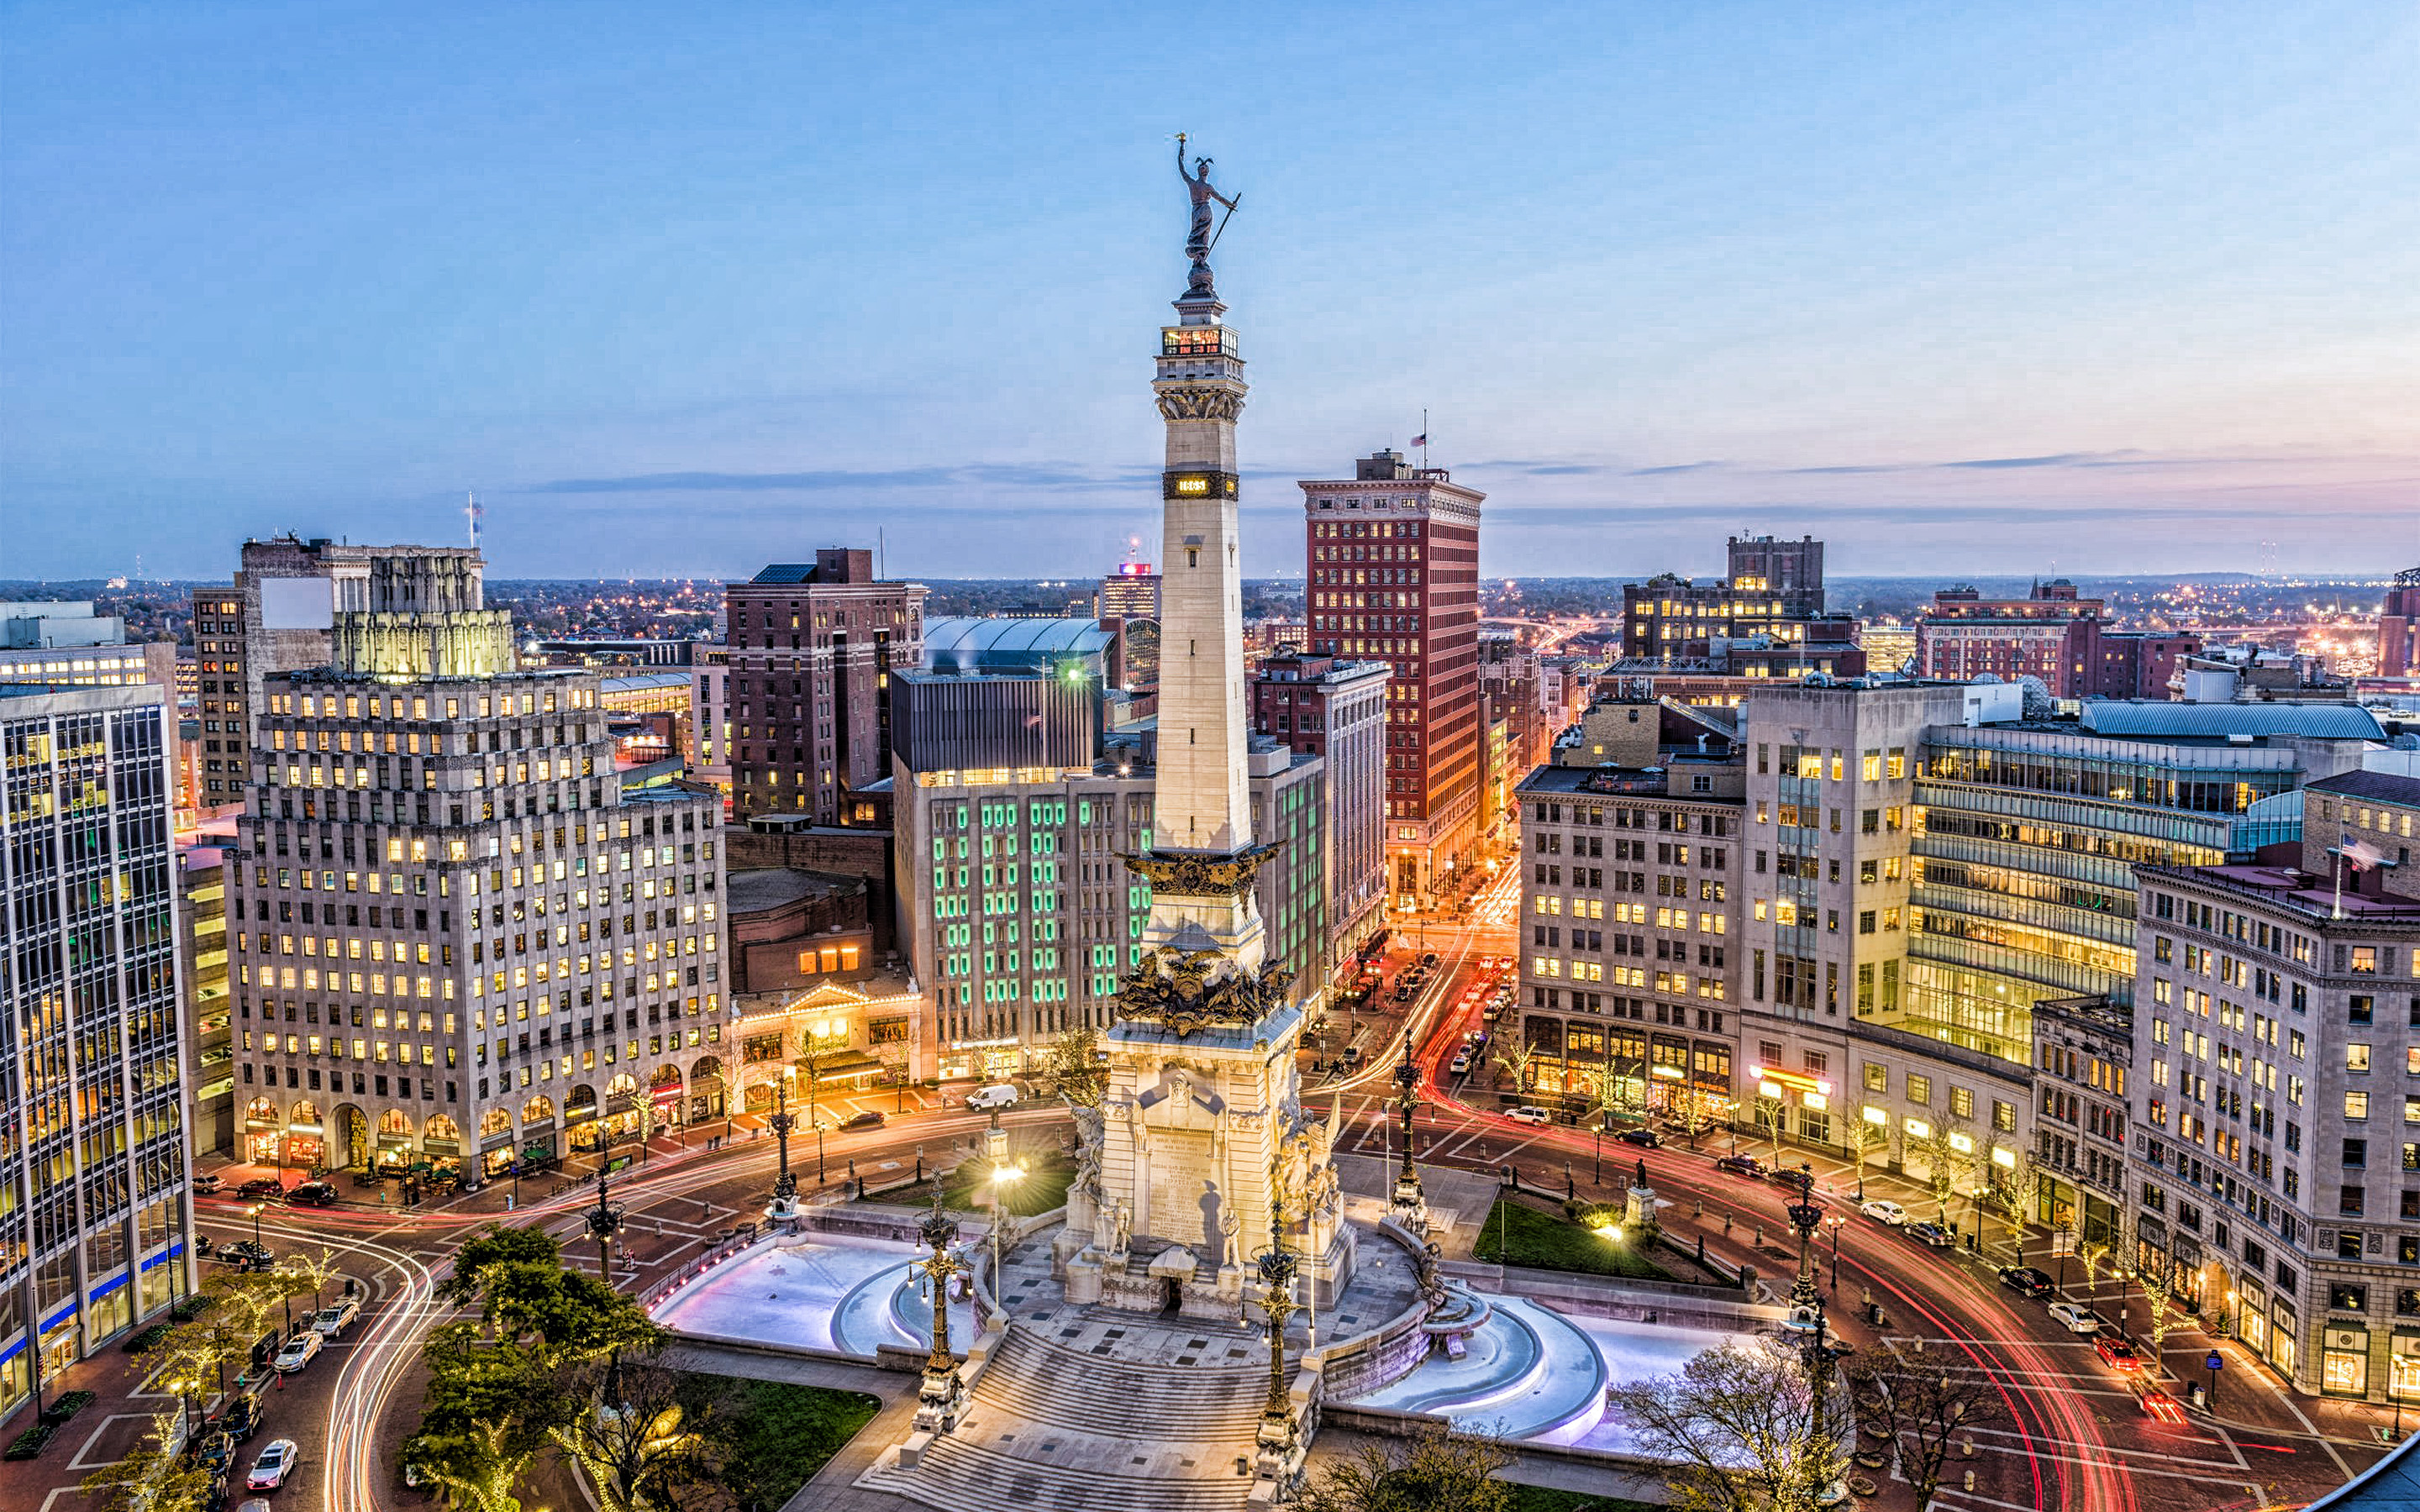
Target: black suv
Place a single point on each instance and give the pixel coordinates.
(1740, 1165)
(314, 1194)
(241, 1419)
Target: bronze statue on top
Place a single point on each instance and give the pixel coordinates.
(1200, 237)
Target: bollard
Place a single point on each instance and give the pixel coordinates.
(1970, 1480)
(1701, 1249)
(1759, 1236)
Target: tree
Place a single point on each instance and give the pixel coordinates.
(305, 1270)
(1741, 1429)
(1927, 1405)
(1073, 1072)
(1515, 1058)
(1867, 1137)
(2004, 1196)
(2162, 1316)
(1436, 1470)
(1771, 1114)
(158, 1476)
(1944, 1163)
(497, 1391)
(642, 1452)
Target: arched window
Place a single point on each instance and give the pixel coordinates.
(495, 1122)
(306, 1113)
(394, 1121)
(623, 1086)
(665, 1075)
(537, 1110)
(442, 1126)
(262, 1109)
(708, 1069)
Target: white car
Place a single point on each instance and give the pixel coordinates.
(333, 1321)
(1461, 1065)
(1881, 1211)
(299, 1350)
(275, 1463)
(2074, 1319)
(1527, 1113)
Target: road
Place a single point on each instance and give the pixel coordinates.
(2077, 1438)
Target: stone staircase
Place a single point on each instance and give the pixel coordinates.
(1050, 1427)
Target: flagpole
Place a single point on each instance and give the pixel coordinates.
(1424, 438)
(2338, 854)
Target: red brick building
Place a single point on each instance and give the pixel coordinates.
(1393, 576)
(812, 648)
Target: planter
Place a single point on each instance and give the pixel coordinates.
(1871, 1460)
(1863, 1486)
(1874, 1431)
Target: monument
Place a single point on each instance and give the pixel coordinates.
(1201, 1154)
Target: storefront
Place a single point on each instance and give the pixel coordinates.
(538, 1153)
(394, 1154)
(496, 1154)
(307, 1150)
(2344, 1360)
(990, 1060)
(2285, 1337)
(2403, 1365)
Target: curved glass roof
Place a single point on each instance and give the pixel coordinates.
(972, 644)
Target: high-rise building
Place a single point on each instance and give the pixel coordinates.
(1789, 573)
(279, 615)
(1393, 576)
(209, 1010)
(812, 650)
(2398, 627)
(454, 937)
(2277, 1096)
(709, 718)
(1337, 711)
(65, 644)
(91, 1028)
(1130, 598)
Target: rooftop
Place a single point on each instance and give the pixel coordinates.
(759, 890)
(2144, 719)
(2379, 787)
(2314, 897)
(990, 645)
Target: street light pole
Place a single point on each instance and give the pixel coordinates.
(785, 1186)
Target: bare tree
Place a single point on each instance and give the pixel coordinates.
(631, 1438)
(1771, 1114)
(1436, 1470)
(1073, 1070)
(1944, 1163)
(1868, 1137)
(156, 1477)
(1928, 1404)
(1740, 1428)
(1515, 1058)
(2162, 1316)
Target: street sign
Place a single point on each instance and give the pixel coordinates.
(2214, 1362)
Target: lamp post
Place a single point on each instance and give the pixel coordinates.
(785, 1186)
(1836, 1223)
(1003, 1176)
(1409, 1207)
(602, 1221)
(941, 1394)
(1806, 1216)
(1275, 1436)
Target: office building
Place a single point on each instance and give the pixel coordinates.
(1337, 711)
(1393, 576)
(455, 935)
(1631, 850)
(2398, 627)
(2048, 634)
(1771, 597)
(63, 644)
(209, 1009)
(91, 1028)
(2277, 1099)
(709, 718)
(1129, 597)
(812, 648)
(1011, 816)
(279, 615)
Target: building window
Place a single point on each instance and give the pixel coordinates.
(1919, 1090)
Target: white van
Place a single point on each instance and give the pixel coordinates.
(1001, 1095)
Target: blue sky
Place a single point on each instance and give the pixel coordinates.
(684, 289)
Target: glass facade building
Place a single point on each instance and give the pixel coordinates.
(94, 1213)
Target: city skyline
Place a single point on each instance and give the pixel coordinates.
(2041, 290)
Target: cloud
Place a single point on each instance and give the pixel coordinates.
(2059, 459)
(1008, 475)
(1868, 469)
(1677, 467)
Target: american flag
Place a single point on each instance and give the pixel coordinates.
(2361, 853)
(1420, 440)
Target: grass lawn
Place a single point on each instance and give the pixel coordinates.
(1545, 1499)
(1517, 1234)
(1043, 1186)
(783, 1433)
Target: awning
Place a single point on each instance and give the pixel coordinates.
(846, 1065)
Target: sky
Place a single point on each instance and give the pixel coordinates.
(679, 290)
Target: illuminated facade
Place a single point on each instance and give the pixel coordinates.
(1393, 576)
(91, 1028)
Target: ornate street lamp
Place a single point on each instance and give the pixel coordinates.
(785, 1186)
(1277, 1437)
(1806, 1216)
(603, 1221)
(942, 1394)
(1410, 1208)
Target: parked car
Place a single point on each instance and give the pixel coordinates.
(299, 1350)
(1884, 1211)
(262, 1187)
(241, 1419)
(1352, 1055)
(214, 1450)
(1459, 1065)
(997, 1095)
(2025, 1280)
(2115, 1350)
(1929, 1233)
(1527, 1113)
(247, 1255)
(333, 1320)
(205, 1182)
(2075, 1317)
(1643, 1138)
(870, 1119)
(253, 1503)
(314, 1194)
(1740, 1165)
(275, 1463)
